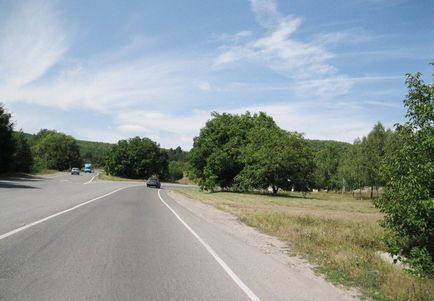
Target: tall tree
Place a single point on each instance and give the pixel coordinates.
(408, 198)
(373, 148)
(326, 167)
(352, 169)
(6, 140)
(22, 159)
(56, 150)
(275, 158)
(215, 156)
(137, 158)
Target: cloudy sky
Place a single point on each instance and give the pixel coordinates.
(106, 70)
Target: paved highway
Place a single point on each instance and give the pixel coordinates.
(66, 237)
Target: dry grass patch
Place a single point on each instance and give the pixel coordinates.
(104, 176)
(336, 232)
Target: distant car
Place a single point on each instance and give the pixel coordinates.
(75, 171)
(88, 167)
(153, 182)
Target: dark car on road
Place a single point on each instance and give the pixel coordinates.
(153, 182)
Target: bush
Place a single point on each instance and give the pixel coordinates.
(176, 170)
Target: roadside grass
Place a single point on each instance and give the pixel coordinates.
(104, 176)
(186, 181)
(337, 233)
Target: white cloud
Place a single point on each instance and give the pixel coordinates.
(169, 129)
(280, 52)
(205, 86)
(32, 42)
(104, 87)
(33, 69)
(306, 64)
(316, 122)
(266, 12)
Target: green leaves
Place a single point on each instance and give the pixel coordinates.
(137, 158)
(6, 140)
(22, 159)
(408, 198)
(56, 150)
(249, 152)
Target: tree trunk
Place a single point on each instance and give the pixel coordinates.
(275, 189)
(372, 192)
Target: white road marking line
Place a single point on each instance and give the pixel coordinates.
(58, 213)
(220, 261)
(90, 181)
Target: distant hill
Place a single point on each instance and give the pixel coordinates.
(94, 152)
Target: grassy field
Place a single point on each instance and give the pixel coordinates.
(337, 233)
(103, 176)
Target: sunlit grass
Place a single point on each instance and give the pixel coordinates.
(336, 232)
(104, 176)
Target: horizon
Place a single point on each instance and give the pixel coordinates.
(112, 70)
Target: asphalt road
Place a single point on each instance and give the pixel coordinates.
(66, 237)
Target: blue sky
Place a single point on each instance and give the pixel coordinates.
(106, 70)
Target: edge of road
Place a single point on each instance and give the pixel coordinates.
(217, 258)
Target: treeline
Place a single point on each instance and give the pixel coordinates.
(20, 152)
(139, 158)
(346, 167)
(48, 149)
(243, 152)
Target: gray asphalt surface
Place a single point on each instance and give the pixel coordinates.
(126, 246)
(129, 246)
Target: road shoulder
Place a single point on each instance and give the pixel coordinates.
(292, 274)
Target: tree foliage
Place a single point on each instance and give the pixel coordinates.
(328, 157)
(137, 158)
(56, 150)
(94, 152)
(360, 164)
(22, 159)
(215, 157)
(248, 152)
(408, 198)
(176, 170)
(6, 140)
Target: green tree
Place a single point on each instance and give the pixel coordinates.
(137, 158)
(326, 167)
(408, 198)
(6, 140)
(373, 151)
(275, 158)
(56, 150)
(215, 156)
(176, 170)
(352, 169)
(22, 159)
(177, 154)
